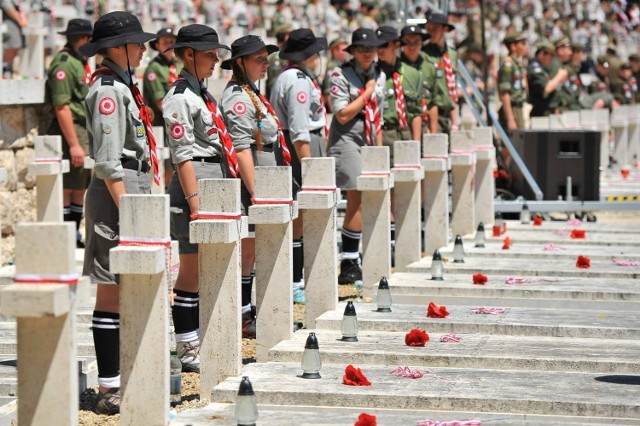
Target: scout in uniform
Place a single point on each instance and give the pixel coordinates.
(357, 93)
(337, 57)
(412, 38)
(622, 88)
(161, 73)
(444, 94)
(275, 63)
(116, 122)
(512, 82)
(256, 133)
(599, 91)
(634, 61)
(298, 101)
(67, 86)
(568, 94)
(197, 140)
(543, 88)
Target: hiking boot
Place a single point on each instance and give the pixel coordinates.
(249, 325)
(189, 354)
(109, 402)
(350, 271)
(298, 296)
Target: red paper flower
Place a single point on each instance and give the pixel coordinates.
(365, 419)
(354, 377)
(416, 337)
(583, 262)
(480, 279)
(625, 173)
(578, 233)
(537, 220)
(435, 311)
(495, 174)
(507, 243)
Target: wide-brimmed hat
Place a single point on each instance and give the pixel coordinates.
(413, 30)
(245, 46)
(78, 27)
(514, 37)
(363, 37)
(115, 29)
(561, 42)
(302, 44)
(164, 32)
(387, 34)
(545, 46)
(439, 19)
(197, 37)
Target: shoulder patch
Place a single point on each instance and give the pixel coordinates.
(180, 87)
(64, 58)
(151, 76)
(301, 74)
(107, 106)
(302, 97)
(177, 131)
(107, 80)
(239, 108)
(61, 75)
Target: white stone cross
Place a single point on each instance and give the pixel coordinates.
(272, 214)
(485, 187)
(407, 175)
(218, 232)
(375, 183)
(463, 162)
(620, 125)
(48, 167)
(435, 160)
(633, 149)
(163, 154)
(44, 300)
(318, 198)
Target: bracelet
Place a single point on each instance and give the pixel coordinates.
(186, 197)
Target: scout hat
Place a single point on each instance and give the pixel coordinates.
(197, 37)
(387, 34)
(439, 19)
(634, 57)
(475, 48)
(561, 42)
(577, 47)
(245, 46)
(77, 27)
(603, 60)
(162, 33)
(513, 37)
(285, 28)
(545, 46)
(414, 30)
(301, 44)
(115, 29)
(363, 37)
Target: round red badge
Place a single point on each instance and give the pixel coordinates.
(239, 108)
(177, 131)
(61, 75)
(302, 97)
(151, 76)
(107, 106)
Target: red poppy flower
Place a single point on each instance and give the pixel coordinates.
(435, 311)
(480, 279)
(354, 377)
(495, 174)
(583, 262)
(365, 419)
(625, 173)
(416, 337)
(537, 220)
(507, 243)
(578, 233)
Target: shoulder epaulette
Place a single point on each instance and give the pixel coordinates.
(237, 89)
(107, 80)
(180, 87)
(64, 57)
(301, 74)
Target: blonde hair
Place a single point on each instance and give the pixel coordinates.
(240, 76)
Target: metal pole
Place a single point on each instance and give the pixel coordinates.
(485, 65)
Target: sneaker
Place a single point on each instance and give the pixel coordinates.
(189, 354)
(350, 271)
(109, 402)
(298, 296)
(248, 325)
(79, 244)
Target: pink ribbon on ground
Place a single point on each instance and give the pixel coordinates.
(407, 372)
(465, 422)
(488, 311)
(553, 247)
(626, 262)
(574, 222)
(450, 337)
(562, 232)
(523, 280)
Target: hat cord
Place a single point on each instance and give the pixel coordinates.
(126, 51)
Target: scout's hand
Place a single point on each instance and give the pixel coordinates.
(369, 88)
(562, 75)
(511, 124)
(77, 156)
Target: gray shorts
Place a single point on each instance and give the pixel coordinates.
(101, 224)
(348, 163)
(13, 38)
(180, 210)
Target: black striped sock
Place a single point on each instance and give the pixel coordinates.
(106, 340)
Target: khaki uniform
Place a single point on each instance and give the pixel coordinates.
(474, 27)
(622, 91)
(440, 93)
(568, 94)
(276, 65)
(512, 79)
(599, 89)
(158, 78)
(537, 79)
(428, 75)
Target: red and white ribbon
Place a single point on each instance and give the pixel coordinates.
(483, 147)
(407, 372)
(219, 215)
(140, 241)
(372, 173)
(450, 337)
(407, 166)
(401, 107)
(626, 262)
(331, 188)
(273, 201)
(47, 278)
(435, 157)
(47, 160)
(488, 311)
(451, 78)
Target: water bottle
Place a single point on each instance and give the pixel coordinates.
(175, 381)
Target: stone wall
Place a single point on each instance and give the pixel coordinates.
(18, 126)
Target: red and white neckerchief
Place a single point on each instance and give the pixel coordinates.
(317, 87)
(87, 69)
(225, 138)
(286, 154)
(425, 112)
(401, 105)
(173, 74)
(451, 78)
(371, 115)
(145, 117)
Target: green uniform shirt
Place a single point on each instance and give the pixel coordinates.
(511, 79)
(411, 82)
(427, 73)
(621, 90)
(474, 26)
(440, 92)
(158, 78)
(537, 79)
(67, 83)
(569, 92)
(276, 65)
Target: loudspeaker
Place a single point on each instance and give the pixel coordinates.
(551, 156)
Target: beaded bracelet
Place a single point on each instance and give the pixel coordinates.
(186, 197)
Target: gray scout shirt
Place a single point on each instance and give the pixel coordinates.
(113, 123)
(346, 82)
(191, 131)
(297, 103)
(241, 118)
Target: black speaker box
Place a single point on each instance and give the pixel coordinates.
(551, 156)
